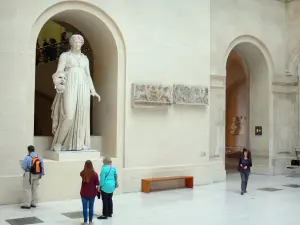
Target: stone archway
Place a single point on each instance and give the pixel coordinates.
(109, 54)
(257, 60)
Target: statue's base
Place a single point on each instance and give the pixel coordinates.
(72, 155)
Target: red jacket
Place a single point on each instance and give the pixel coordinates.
(89, 190)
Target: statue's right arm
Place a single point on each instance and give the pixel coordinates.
(62, 63)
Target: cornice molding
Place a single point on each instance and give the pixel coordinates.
(285, 81)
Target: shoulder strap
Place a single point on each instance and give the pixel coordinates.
(108, 172)
(34, 157)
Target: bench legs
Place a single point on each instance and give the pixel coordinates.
(145, 186)
(189, 182)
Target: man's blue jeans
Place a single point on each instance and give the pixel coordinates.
(88, 203)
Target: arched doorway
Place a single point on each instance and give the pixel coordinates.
(248, 104)
(108, 69)
(237, 109)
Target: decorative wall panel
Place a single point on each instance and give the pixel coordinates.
(152, 95)
(190, 95)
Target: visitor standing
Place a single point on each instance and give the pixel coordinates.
(245, 163)
(89, 190)
(33, 167)
(108, 184)
(46, 52)
(37, 53)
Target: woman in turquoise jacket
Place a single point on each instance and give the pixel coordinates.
(108, 184)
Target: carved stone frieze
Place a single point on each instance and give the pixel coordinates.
(152, 95)
(190, 95)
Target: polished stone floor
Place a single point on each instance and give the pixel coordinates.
(270, 200)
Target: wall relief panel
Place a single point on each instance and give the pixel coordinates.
(152, 95)
(190, 95)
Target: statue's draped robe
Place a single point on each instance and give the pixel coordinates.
(71, 109)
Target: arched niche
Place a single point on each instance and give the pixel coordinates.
(109, 67)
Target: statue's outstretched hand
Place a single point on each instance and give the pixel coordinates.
(94, 94)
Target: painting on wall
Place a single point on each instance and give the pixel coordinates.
(258, 130)
(190, 95)
(152, 95)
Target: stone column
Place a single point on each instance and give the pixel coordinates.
(285, 106)
(217, 116)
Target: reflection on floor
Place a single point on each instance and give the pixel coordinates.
(270, 200)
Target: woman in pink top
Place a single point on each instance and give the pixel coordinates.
(89, 190)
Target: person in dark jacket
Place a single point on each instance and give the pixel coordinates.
(89, 190)
(245, 163)
(249, 153)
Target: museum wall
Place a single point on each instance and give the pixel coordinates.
(158, 43)
(293, 15)
(164, 45)
(286, 91)
(293, 22)
(248, 21)
(263, 20)
(166, 42)
(260, 106)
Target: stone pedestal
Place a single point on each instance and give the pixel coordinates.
(72, 155)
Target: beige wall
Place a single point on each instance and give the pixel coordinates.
(293, 52)
(231, 19)
(244, 23)
(151, 43)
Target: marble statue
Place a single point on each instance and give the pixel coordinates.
(71, 106)
(235, 125)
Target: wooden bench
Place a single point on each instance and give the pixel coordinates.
(189, 182)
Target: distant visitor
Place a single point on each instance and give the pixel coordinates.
(33, 167)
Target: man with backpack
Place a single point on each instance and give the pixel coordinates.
(33, 167)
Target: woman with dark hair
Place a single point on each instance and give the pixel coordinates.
(249, 153)
(245, 163)
(89, 190)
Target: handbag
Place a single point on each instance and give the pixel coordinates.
(116, 180)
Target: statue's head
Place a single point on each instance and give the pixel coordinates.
(76, 42)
